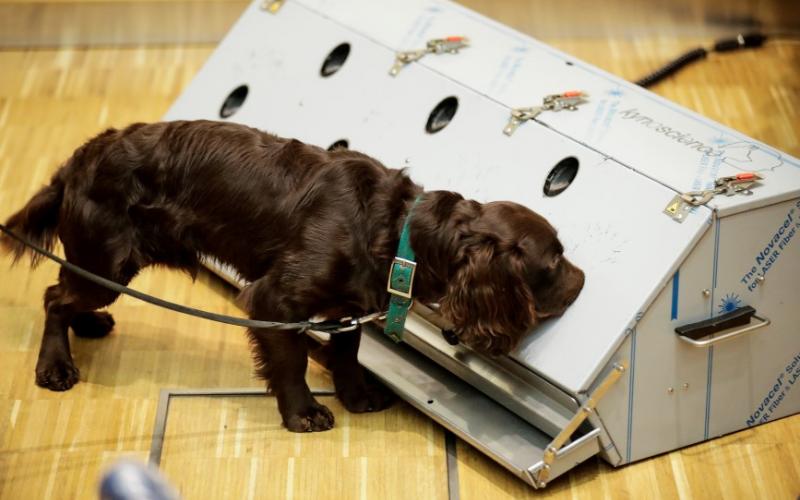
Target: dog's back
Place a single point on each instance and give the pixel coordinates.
(164, 193)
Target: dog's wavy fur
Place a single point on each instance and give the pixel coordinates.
(313, 230)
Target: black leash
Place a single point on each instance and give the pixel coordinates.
(344, 325)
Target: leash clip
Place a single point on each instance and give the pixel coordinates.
(350, 324)
(346, 324)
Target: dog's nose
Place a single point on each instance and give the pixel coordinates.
(580, 280)
(450, 336)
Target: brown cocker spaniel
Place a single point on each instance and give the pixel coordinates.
(314, 231)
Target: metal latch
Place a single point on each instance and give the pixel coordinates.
(681, 204)
(555, 102)
(272, 6)
(449, 45)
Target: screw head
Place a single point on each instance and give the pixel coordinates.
(760, 279)
(685, 386)
(706, 293)
(670, 390)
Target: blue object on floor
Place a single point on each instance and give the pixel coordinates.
(129, 480)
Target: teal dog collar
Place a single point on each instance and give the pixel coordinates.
(401, 282)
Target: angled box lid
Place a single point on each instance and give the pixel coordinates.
(641, 130)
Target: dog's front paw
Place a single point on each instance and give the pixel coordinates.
(365, 398)
(58, 375)
(315, 418)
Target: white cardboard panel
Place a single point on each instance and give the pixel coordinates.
(754, 378)
(660, 419)
(638, 128)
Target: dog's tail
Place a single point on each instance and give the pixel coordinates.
(37, 222)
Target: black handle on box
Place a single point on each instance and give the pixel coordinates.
(706, 327)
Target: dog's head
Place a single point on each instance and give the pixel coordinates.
(508, 273)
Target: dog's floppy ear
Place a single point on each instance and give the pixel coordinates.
(488, 299)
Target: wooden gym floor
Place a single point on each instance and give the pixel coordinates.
(55, 445)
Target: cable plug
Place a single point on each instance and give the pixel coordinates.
(741, 41)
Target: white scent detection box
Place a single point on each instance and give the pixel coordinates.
(612, 376)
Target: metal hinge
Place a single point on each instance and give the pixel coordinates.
(272, 6)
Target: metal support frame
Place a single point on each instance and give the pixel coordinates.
(586, 409)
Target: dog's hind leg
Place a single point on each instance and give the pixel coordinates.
(55, 369)
(70, 302)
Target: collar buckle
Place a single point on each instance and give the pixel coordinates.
(401, 277)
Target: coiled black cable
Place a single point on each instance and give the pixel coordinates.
(750, 40)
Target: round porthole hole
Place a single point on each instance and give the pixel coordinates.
(234, 101)
(335, 60)
(442, 115)
(340, 144)
(561, 176)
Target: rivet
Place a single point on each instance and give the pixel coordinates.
(685, 386)
(760, 279)
(706, 293)
(670, 390)
(272, 6)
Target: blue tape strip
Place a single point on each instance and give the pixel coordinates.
(676, 281)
